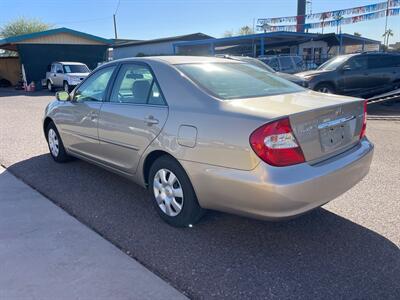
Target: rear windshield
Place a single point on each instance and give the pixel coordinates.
(237, 80)
(76, 69)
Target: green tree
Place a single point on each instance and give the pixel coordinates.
(23, 26)
(245, 30)
(357, 34)
(228, 33)
(388, 33)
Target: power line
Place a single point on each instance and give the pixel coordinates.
(116, 10)
(114, 19)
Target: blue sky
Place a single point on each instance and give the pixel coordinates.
(146, 19)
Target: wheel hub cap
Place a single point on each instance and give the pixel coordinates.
(168, 192)
(53, 142)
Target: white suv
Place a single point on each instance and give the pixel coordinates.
(66, 75)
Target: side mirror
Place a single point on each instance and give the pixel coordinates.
(346, 68)
(62, 96)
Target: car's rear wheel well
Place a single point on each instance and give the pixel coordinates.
(150, 159)
(46, 123)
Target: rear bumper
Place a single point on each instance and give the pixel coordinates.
(269, 192)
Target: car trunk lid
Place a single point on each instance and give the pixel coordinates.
(327, 131)
(324, 125)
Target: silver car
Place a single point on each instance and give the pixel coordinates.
(210, 133)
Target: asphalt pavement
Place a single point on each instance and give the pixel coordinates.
(347, 249)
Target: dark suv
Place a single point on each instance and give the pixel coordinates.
(360, 75)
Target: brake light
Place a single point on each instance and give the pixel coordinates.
(276, 144)
(364, 125)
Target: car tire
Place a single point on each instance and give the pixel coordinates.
(174, 200)
(56, 146)
(325, 88)
(66, 87)
(50, 86)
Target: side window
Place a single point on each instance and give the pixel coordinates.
(298, 63)
(59, 69)
(358, 63)
(135, 84)
(53, 68)
(156, 97)
(382, 61)
(286, 63)
(94, 88)
(273, 63)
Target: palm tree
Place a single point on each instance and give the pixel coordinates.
(388, 33)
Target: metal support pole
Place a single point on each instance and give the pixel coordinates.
(262, 49)
(212, 50)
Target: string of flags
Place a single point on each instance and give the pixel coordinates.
(332, 18)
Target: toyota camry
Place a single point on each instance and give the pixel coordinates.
(211, 133)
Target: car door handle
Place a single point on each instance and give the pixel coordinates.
(150, 120)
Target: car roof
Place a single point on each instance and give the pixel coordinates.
(176, 60)
(68, 63)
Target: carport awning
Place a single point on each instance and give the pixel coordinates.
(279, 39)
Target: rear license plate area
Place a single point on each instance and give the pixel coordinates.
(336, 135)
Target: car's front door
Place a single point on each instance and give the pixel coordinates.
(132, 118)
(79, 117)
(355, 76)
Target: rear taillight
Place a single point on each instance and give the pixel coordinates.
(364, 124)
(276, 144)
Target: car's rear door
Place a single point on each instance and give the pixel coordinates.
(132, 117)
(382, 69)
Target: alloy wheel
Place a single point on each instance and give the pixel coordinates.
(168, 192)
(324, 90)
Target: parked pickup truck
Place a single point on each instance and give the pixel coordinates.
(65, 75)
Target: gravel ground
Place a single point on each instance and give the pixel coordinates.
(347, 249)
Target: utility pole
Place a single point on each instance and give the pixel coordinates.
(115, 27)
(301, 15)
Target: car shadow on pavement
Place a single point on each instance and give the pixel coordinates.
(12, 92)
(320, 254)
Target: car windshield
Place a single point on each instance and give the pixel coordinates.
(76, 69)
(333, 63)
(237, 80)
